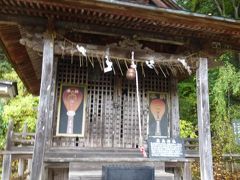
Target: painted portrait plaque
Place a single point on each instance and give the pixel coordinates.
(71, 110)
(158, 119)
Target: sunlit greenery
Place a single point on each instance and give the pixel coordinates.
(21, 109)
(224, 91)
(224, 8)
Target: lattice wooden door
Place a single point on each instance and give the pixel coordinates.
(111, 107)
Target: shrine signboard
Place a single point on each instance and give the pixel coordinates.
(165, 147)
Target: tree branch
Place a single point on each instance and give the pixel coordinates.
(236, 8)
(219, 7)
(223, 9)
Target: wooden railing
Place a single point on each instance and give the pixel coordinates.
(19, 146)
(23, 143)
(191, 147)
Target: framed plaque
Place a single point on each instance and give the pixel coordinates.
(71, 110)
(158, 118)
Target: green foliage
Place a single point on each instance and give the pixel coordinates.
(224, 89)
(225, 8)
(224, 93)
(187, 100)
(187, 129)
(21, 110)
(5, 67)
(225, 101)
(2, 125)
(200, 6)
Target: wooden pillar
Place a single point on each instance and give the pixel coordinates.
(44, 105)
(52, 107)
(175, 130)
(205, 147)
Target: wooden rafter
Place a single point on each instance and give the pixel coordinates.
(17, 55)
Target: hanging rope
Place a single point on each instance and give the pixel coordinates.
(142, 149)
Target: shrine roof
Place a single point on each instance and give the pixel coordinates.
(160, 25)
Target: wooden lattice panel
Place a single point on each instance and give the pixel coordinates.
(111, 108)
(130, 130)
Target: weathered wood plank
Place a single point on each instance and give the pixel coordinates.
(205, 147)
(177, 173)
(187, 173)
(20, 168)
(174, 109)
(52, 105)
(29, 165)
(21, 161)
(43, 114)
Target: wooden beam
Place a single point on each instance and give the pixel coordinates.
(44, 104)
(175, 130)
(205, 146)
(116, 52)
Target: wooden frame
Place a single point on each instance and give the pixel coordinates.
(71, 110)
(159, 99)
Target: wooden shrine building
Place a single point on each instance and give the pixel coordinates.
(93, 122)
